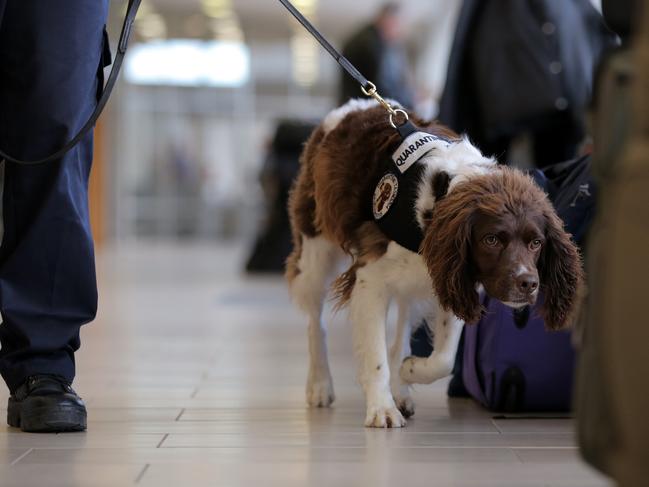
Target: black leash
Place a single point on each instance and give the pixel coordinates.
(367, 87)
(131, 12)
(347, 66)
(415, 143)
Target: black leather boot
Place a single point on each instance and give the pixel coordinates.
(46, 404)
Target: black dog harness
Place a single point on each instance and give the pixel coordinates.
(395, 194)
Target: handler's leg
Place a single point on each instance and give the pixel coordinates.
(50, 55)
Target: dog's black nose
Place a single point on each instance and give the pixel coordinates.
(527, 283)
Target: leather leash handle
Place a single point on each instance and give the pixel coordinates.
(127, 26)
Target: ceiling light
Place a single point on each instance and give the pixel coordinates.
(188, 62)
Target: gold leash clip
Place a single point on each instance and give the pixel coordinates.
(394, 112)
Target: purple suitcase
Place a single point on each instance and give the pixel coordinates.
(510, 362)
(513, 364)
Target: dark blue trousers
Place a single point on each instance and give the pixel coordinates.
(50, 70)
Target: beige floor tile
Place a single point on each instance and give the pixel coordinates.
(10, 455)
(391, 438)
(12, 439)
(137, 394)
(70, 475)
(548, 455)
(545, 425)
(129, 415)
(385, 474)
(274, 455)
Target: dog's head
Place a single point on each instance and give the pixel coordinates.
(500, 230)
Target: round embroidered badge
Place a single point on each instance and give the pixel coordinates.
(384, 195)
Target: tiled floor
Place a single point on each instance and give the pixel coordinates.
(194, 376)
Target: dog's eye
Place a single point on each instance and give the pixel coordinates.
(491, 240)
(536, 244)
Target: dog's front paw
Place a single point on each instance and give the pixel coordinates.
(320, 394)
(418, 370)
(384, 417)
(406, 405)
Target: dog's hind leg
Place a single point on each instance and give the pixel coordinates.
(308, 287)
(446, 336)
(367, 309)
(398, 351)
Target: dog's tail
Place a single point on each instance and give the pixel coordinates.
(370, 244)
(343, 286)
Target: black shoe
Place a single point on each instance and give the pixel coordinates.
(46, 404)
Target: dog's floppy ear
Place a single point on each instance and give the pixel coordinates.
(440, 183)
(560, 272)
(446, 250)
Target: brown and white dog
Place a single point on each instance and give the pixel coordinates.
(483, 225)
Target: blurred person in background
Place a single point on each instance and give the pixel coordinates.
(377, 51)
(52, 56)
(273, 243)
(524, 68)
